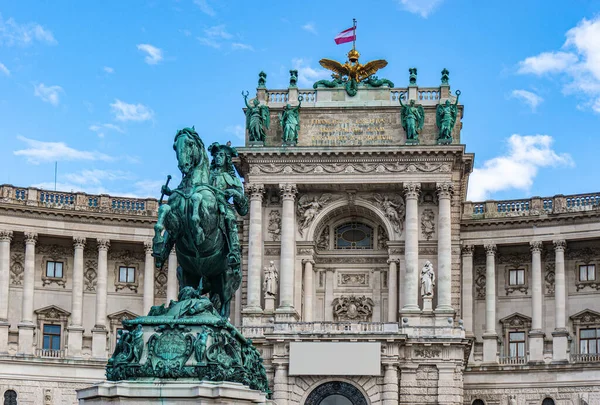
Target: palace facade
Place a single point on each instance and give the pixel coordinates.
(347, 218)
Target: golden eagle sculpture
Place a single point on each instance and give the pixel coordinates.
(352, 72)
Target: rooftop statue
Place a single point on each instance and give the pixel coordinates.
(413, 118)
(258, 119)
(290, 122)
(445, 117)
(192, 337)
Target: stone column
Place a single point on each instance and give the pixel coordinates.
(288, 248)
(172, 283)
(467, 288)
(280, 385)
(329, 280)
(376, 273)
(75, 340)
(26, 326)
(490, 337)
(536, 334)
(100, 332)
(392, 315)
(255, 248)
(444, 302)
(390, 385)
(5, 239)
(411, 245)
(309, 290)
(148, 300)
(560, 335)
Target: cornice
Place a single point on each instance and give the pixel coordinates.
(393, 150)
(564, 218)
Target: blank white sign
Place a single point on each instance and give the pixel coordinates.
(335, 358)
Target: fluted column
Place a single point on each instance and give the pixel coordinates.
(309, 290)
(5, 239)
(467, 287)
(490, 337)
(390, 385)
(444, 288)
(288, 248)
(536, 335)
(148, 300)
(410, 283)
(560, 335)
(392, 282)
(100, 331)
(255, 248)
(26, 326)
(172, 283)
(75, 340)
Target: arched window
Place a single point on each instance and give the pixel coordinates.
(548, 401)
(335, 393)
(10, 397)
(354, 235)
(478, 402)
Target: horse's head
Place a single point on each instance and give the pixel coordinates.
(191, 154)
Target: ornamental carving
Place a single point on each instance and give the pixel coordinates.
(349, 168)
(514, 259)
(272, 251)
(394, 209)
(126, 257)
(586, 317)
(427, 353)
(382, 238)
(480, 282)
(353, 279)
(427, 223)
(57, 252)
(52, 313)
(17, 269)
(308, 208)
(323, 241)
(352, 260)
(353, 308)
(549, 278)
(516, 321)
(274, 227)
(160, 282)
(90, 275)
(585, 255)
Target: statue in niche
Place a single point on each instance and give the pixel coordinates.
(274, 226)
(323, 242)
(309, 208)
(290, 123)
(445, 118)
(258, 119)
(427, 223)
(427, 280)
(394, 209)
(271, 278)
(413, 118)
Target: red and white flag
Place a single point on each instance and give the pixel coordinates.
(348, 35)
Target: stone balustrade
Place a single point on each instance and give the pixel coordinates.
(51, 354)
(335, 327)
(585, 358)
(535, 206)
(508, 360)
(77, 201)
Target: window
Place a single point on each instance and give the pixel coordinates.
(54, 269)
(126, 274)
(516, 277)
(516, 344)
(51, 337)
(354, 235)
(10, 397)
(589, 341)
(548, 401)
(478, 402)
(587, 272)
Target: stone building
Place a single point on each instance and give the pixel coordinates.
(340, 227)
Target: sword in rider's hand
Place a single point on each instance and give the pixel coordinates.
(162, 195)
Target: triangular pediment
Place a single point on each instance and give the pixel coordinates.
(52, 312)
(516, 320)
(587, 316)
(122, 316)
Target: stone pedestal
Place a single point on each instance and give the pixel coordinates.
(427, 304)
(536, 346)
(26, 330)
(75, 341)
(490, 348)
(169, 393)
(99, 343)
(269, 303)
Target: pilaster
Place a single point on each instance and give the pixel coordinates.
(444, 287)
(5, 239)
(26, 326)
(536, 335)
(288, 251)
(100, 332)
(490, 336)
(309, 290)
(75, 337)
(560, 336)
(255, 248)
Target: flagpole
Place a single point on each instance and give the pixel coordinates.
(354, 41)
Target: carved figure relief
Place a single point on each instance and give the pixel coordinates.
(271, 279)
(357, 167)
(323, 241)
(17, 269)
(480, 282)
(90, 275)
(353, 279)
(274, 226)
(427, 223)
(382, 238)
(353, 308)
(309, 207)
(427, 353)
(394, 209)
(549, 278)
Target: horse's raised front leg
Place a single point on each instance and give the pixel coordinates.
(196, 207)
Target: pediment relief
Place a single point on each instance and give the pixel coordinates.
(516, 320)
(586, 317)
(119, 317)
(52, 312)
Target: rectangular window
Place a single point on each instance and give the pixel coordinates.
(126, 274)
(516, 277)
(51, 337)
(54, 269)
(516, 344)
(587, 272)
(589, 341)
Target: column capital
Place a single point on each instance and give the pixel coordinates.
(536, 246)
(445, 190)
(311, 261)
(6, 236)
(560, 245)
(148, 247)
(255, 191)
(467, 250)
(490, 249)
(412, 190)
(30, 238)
(288, 191)
(78, 242)
(393, 260)
(103, 244)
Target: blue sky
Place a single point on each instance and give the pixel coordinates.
(102, 87)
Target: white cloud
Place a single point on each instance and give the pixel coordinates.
(154, 54)
(148, 188)
(517, 168)
(114, 127)
(218, 31)
(308, 75)
(40, 151)
(237, 130)
(547, 62)
(131, 112)
(108, 69)
(531, 99)
(237, 46)
(99, 128)
(4, 69)
(13, 33)
(422, 7)
(205, 7)
(209, 42)
(96, 176)
(49, 94)
(310, 27)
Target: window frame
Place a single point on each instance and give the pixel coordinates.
(518, 343)
(128, 270)
(517, 272)
(353, 246)
(582, 284)
(523, 288)
(58, 336)
(124, 285)
(587, 272)
(48, 280)
(55, 262)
